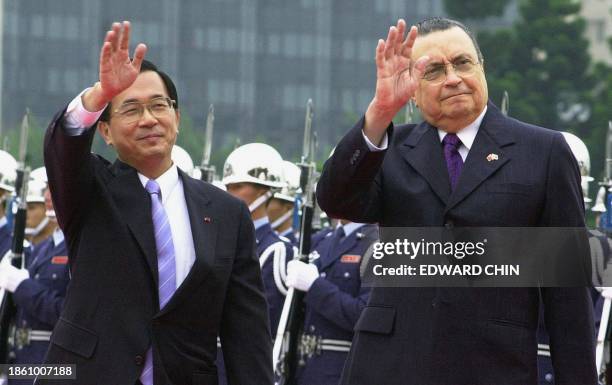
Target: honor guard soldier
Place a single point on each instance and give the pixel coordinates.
(598, 244)
(281, 208)
(334, 300)
(8, 165)
(40, 288)
(252, 172)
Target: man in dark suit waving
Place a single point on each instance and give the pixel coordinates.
(161, 263)
(465, 165)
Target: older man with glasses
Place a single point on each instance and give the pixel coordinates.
(466, 165)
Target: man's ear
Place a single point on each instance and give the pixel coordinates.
(104, 130)
(178, 120)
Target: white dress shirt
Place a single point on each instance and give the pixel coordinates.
(466, 135)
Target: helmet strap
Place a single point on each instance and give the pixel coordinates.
(260, 201)
(276, 224)
(36, 230)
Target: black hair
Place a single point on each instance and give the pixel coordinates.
(435, 24)
(168, 83)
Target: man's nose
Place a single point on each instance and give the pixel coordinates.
(452, 78)
(147, 118)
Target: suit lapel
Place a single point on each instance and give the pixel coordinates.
(134, 206)
(423, 151)
(490, 139)
(204, 233)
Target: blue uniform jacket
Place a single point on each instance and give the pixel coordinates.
(335, 301)
(40, 298)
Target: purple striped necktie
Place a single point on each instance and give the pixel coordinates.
(166, 267)
(454, 162)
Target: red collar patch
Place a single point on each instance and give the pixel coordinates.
(59, 260)
(350, 258)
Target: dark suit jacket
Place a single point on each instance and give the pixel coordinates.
(111, 314)
(462, 336)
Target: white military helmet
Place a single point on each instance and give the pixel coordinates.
(581, 153)
(181, 158)
(36, 191)
(600, 201)
(255, 163)
(291, 176)
(8, 173)
(40, 174)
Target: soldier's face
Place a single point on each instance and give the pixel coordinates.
(35, 214)
(148, 140)
(456, 100)
(247, 192)
(277, 207)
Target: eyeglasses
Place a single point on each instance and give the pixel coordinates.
(132, 111)
(437, 73)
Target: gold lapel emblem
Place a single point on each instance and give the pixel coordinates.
(492, 157)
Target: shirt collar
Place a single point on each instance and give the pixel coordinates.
(260, 222)
(167, 181)
(58, 237)
(3, 221)
(350, 227)
(467, 134)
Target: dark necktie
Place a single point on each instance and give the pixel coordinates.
(454, 163)
(338, 237)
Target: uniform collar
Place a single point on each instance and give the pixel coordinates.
(467, 134)
(350, 227)
(257, 223)
(167, 181)
(58, 237)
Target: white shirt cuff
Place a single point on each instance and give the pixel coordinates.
(77, 119)
(383, 144)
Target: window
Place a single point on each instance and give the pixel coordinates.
(290, 48)
(198, 38)
(214, 39)
(72, 28)
(348, 50)
(55, 27)
(347, 100)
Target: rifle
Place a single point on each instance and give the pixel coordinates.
(15, 255)
(208, 170)
(289, 333)
(505, 104)
(409, 116)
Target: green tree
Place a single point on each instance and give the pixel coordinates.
(543, 62)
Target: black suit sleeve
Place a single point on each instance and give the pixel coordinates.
(350, 185)
(247, 361)
(568, 311)
(68, 161)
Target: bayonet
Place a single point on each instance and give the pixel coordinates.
(505, 104)
(208, 171)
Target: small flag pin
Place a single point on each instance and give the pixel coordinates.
(492, 157)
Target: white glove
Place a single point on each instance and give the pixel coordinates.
(11, 277)
(606, 292)
(301, 275)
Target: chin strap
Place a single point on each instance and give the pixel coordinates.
(260, 201)
(50, 214)
(282, 219)
(36, 230)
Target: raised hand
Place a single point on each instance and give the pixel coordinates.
(397, 77)
(117, 70)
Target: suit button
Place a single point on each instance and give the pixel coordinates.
(37, 276)
(139, 360)
(323, 274)
(449, 224)
(347, 274)
(548, 377)
(434, 304)
(312, 328)
(357, 152)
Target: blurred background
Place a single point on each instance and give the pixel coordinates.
(258, 61)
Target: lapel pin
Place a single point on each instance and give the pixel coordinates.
(491, 157)
(207, 220)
